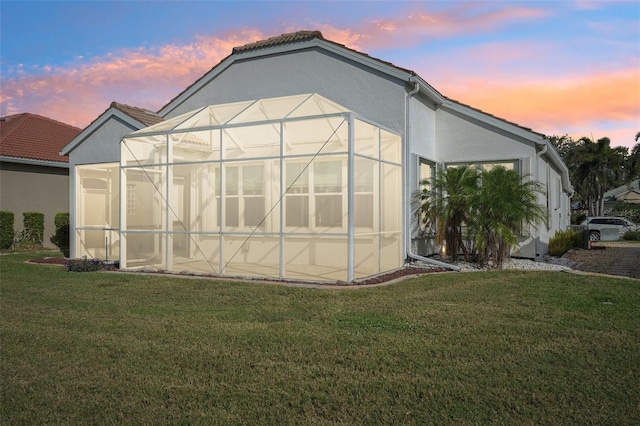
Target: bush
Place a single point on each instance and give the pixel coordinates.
(563, 241)
(6, 229)
(61, 237)
(34, 227)
(578, 218)
(631, 236)
(86, 265)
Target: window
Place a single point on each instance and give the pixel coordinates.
(297, 198)
(328, 193)
(363, 197)
(488, 165)
(244, 202)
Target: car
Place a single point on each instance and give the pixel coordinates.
(596, 224)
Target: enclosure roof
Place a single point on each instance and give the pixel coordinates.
(297, 106)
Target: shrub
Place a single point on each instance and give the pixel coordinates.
(631, 236)
(86, 265)
(578, 218)
(563, 241)
(61, 237)
(34, 227)
(6, 229)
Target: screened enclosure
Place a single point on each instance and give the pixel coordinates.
(295, 187)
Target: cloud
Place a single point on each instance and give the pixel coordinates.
(416, 27)
(556, 105)
(77, 93)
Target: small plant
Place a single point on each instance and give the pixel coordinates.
(86, 265)
(563, 241)
(631, 236)
(6, 229)
(61, 237)
(24, 241)
(34, 227)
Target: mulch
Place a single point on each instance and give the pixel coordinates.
(378, 279)
(51, 261)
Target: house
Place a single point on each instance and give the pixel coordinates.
(33, 176)
(628, 193)
(295, 157)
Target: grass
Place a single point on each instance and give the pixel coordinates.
(506, 347)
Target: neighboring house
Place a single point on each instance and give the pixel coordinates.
(295, 158)
(628, 193)
(33, 175)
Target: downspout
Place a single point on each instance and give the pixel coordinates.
(407, 194)
(537, 177)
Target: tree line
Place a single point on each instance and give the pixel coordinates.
(595, 167)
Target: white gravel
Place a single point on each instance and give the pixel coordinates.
(545, 263)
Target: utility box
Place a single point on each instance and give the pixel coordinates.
(609, 233)
(584, 233)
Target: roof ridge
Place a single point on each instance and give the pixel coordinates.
(117, 105)
(286, 38)
(25, 115)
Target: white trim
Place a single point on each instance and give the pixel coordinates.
(34, 162)
(99, 122)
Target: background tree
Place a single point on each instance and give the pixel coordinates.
(594, 168)
(633, 162)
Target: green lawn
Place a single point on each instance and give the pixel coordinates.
(506, 347)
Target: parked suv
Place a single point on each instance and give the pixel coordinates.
(596, 223)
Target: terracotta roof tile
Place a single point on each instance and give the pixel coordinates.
(146, 117)
(278, 40)
(35, 137)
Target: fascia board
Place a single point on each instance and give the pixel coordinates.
(502, 125)
(34, 162)
(88, 131)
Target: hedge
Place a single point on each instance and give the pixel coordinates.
(61, 237)
(6, 229)
(563, 241)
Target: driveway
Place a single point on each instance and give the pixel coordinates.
(613, 258)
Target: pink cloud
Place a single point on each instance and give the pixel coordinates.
(148, 78)
(418, 26)
(556, 105)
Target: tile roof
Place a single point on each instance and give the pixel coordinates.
(35, 137)
(306, 35)
(146, 117)
(278, 40)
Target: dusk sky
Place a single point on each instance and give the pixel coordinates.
(558, 67)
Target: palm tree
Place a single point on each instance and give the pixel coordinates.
(446, 202)
(596, 168)
(503, 204)
(633, 162)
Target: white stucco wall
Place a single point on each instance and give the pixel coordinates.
(375, 96)
(461, 139)
(103, 144)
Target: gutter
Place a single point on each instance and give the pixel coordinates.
(407, 195)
